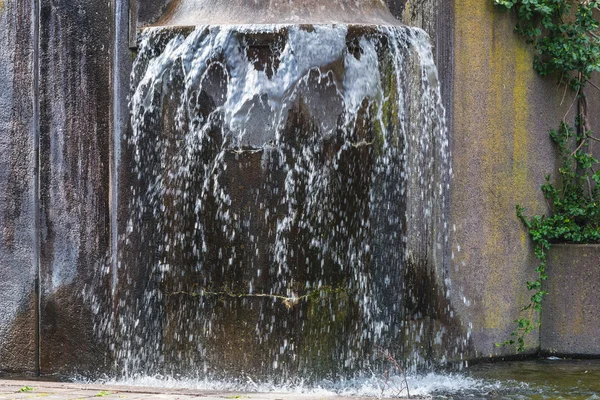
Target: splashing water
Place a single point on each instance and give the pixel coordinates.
(287, 199)
(430, 385)
(551, 377)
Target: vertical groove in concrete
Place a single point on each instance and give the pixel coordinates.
(36, 177)
(132, 20)
(444, 49)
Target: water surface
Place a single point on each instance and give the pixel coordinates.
(534, 379)
(548, 378)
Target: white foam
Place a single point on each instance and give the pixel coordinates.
(419, 385)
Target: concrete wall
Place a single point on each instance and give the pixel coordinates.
(499, 114)
(571, 308)
(55, 137)
(436, 17)
(18, 257)
(75, 110)
(502, 152)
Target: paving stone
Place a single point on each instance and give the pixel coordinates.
(10, 389)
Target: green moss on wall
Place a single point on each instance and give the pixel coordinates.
(500, 152)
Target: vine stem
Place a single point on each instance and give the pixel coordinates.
(581, 143)
(594, 85)
(572, 103)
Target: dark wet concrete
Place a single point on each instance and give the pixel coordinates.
(18, 251)
(248, 333)
(75, 126)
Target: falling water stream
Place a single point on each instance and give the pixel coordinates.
(286, 217)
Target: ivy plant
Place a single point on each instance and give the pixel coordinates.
(566, 38)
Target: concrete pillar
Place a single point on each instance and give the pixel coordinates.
(18, 200)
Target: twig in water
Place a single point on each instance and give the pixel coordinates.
(385, 355)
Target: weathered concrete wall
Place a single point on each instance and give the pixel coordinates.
(570, 323)
(18, 269)
(502, 152)
(499, 113)
(54, 146)
(74, 136)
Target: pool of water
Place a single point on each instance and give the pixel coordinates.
(549, 378)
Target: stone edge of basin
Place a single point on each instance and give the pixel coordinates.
(302, 12)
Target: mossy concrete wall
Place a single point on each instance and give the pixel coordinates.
(501, 155)
(499, 113)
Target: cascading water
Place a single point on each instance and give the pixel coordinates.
(287, 217)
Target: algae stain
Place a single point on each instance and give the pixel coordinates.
(471, 64)
(406, 14)
(524, 75)
(475, 116)
(497, 173)
(491, 109)
(2, 5)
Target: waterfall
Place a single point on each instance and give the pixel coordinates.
(287, 213)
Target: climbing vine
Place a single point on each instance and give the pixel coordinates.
(566, 37)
